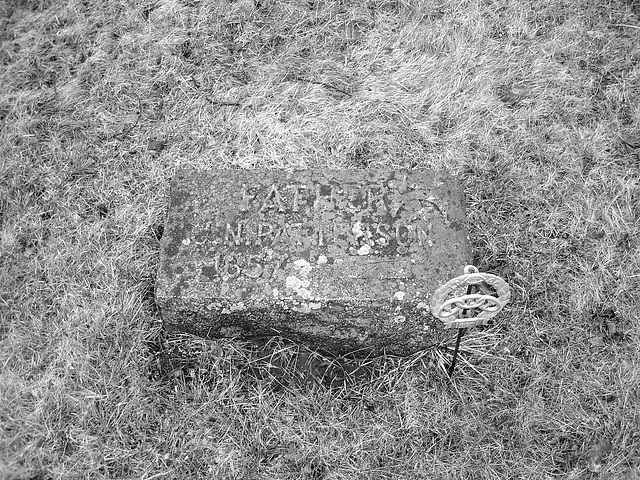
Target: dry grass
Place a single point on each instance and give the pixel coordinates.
(536, 105)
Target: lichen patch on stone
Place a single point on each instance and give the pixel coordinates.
(399, 296)
(302, 267)
(303, 293)
(364, 250)
(293, 282)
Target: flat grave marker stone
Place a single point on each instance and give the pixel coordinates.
(341, 260)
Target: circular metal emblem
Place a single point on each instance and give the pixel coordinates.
(472, 309)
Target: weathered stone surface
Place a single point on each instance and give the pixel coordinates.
(341, 260)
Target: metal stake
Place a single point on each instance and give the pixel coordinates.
(461, 332)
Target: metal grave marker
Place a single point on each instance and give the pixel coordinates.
(340, 260)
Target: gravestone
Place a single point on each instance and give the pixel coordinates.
(341, 260)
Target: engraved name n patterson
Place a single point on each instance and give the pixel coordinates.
(251, 234)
